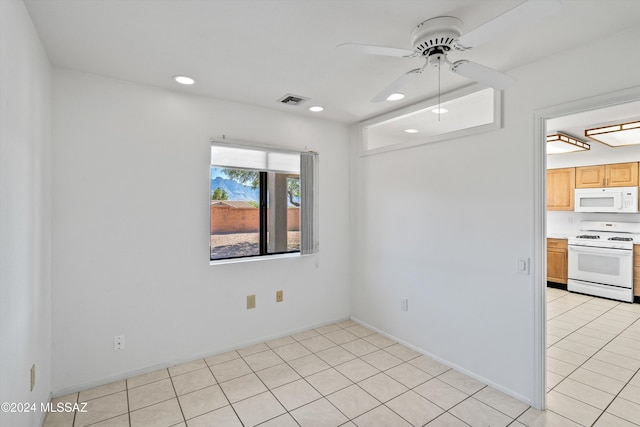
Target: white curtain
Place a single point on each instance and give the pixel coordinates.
(309, 203)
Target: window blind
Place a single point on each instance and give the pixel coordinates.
(309, 203)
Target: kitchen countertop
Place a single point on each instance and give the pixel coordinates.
(559, 236)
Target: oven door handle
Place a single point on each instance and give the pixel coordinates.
(608, 251)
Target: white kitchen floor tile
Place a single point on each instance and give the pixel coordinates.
(571, 408)
(608, 420)
(295, 394)
(353, 401)
(502, 402)
(441, 393)
(320, 413)
(585, 393)
(258, 409)
(415, 408)
(625, 409)
(380, 416)
(476, 413)
(382, 387)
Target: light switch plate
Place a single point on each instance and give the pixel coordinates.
(523, 266)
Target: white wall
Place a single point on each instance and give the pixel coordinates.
(131, 231)
(443, 225)
(25, 215)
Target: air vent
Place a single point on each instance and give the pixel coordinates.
(290, 99)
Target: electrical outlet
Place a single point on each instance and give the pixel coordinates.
(118, 343)
(279, 296)
(251, 301)
(404, 304)
(33, 376)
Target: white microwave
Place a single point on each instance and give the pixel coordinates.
(612, 199)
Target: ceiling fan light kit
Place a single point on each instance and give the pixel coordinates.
(434, 38)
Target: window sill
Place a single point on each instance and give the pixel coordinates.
(253, 258)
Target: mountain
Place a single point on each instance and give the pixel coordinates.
(235, 190)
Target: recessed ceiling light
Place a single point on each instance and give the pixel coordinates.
(411, 130)
(439, 110)
(316, 108)
(184, 80)
(395, 97)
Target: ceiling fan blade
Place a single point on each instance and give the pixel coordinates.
(397, 85)
(521, 15)
(482, 74)
(376, 50)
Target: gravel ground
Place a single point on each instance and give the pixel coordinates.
(244, 244)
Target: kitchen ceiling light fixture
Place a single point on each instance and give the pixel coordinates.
(616, 135)
(184, 80)
(316, 108)
(439, 111)
(559, 143)
(397, 96)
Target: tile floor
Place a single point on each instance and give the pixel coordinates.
(347, 375)
(593, 360)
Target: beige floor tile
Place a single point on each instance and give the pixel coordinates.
(224, 416)
(502, 402)
(256, 348)
(571, 408)
(242, 387)
(605, 368)
(608, 420)
(447, 420)
(59, 419)
(279, 342)
(346, 323)
(402, 352)
(559, 367)
(308, 365)
(147, 378)
(359, 347)
(596, 333)
(632, 393)
(623, 350)
(328, 381)
(328, 329)
(341, 336)
(357, 370)
(222, 357)
(379, 341)
(594, 342)
(628, 342)
(318, 343)
(566, 356)
(577, 347)
(625, 409)
(202, 401)
(103, 390)
(585, 393)
(263, 360)
(278, 375)
(301, 336)
(553, 379)
(353, 401)
(382, 387)
(335, 355)
(415, 408)
(162, 414)
(408, 375)
(618, 360)
(462, 382)
(476, 413)
(192, 381)
(320, 413)
(382, 360)
(380, 416)
(229, 370)
(183, 368)
(295, 394)
(360, 331)
(103, 408)
(429, 365)
(259, 408)
(534, 418)
(292, 351)
(150, 394)
(441, 393)
(599, 381)
(119, 421)
(284, 420)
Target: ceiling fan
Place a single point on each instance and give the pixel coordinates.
(434, 38)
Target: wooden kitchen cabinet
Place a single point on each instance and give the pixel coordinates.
(561, 184)
(613, 175)
(557, 254)
(636, 271)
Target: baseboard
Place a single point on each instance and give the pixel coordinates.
(448, 363)
(557, 285)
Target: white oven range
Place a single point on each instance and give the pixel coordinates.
(601, 259)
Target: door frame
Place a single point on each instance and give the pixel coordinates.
(539, 269)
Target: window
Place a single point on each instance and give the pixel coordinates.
(262, 202)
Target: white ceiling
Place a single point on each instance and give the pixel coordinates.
(255, 51)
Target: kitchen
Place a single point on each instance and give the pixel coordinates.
(593, 224)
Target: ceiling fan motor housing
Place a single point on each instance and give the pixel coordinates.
(436, 36)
